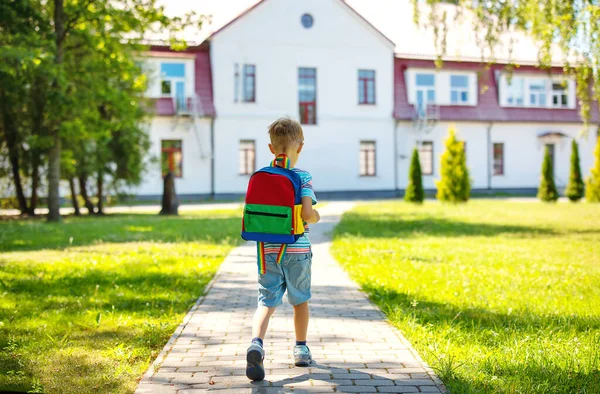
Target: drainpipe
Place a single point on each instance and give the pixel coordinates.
(396, 187)
(489, 158)
(212, 158)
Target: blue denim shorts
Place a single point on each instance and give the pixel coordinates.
(293, 275)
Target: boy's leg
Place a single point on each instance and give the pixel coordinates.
(301, 316)
(261, 321)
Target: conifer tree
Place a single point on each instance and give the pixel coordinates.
(455, 184)
(414, 190)
(547, 190)
(592, 186)
(574, 189)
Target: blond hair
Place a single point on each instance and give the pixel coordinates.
(285, 133)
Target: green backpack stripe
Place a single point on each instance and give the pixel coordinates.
(270, 219)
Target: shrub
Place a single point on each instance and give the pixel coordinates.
(455, 184)
(592, 186)
(414, 190)
(574, 190)
(547, 190)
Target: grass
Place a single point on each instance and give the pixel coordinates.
(86, 305)
(498, 297)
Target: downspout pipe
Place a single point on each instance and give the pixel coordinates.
(212, 158)
(489, 155)
(396, 186)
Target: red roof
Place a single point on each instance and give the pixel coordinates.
(488, 108)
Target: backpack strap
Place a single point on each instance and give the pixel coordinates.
(281, 161)
(262, 262)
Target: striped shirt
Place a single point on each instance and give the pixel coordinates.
(302, 245)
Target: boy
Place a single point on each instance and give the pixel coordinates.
(293, 273)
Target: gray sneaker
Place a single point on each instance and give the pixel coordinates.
(302, 356)
(254, 356)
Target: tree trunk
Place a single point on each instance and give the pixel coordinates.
(10, 132)
(74, 196)
(54, 156)
(35, 182)
(100, 193)
(170, 204)
(84, 195)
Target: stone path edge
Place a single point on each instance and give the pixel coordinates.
(169, 345)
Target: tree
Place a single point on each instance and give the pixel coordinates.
(592, 186)
(414, 190)
(574, 190)
(566, 32)
(547, 190)
(170, 203)
(455, 184)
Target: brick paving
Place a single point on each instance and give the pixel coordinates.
(355, 350)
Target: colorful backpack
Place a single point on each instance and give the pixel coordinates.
(273, 210)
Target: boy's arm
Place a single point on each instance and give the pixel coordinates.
(309, 214)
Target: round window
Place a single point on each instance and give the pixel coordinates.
(307, 21)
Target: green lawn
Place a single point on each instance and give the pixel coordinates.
(498, 297)
(86, 305)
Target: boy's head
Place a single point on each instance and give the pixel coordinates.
(287, 138)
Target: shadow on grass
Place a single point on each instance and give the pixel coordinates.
(29, 235)
(535, 375)
(407, 225)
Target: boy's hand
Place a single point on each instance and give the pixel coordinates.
(309, 214)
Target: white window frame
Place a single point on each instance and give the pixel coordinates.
(425, 90)
(538, 94)
(459, 90)
(367, 151)
(564, 91)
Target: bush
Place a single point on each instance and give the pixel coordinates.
(455, 184)
(574, 190)
(592, 187)
(414, 190)
(547, 190)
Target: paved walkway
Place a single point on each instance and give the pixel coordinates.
(354, 349)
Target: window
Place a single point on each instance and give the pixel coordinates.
(247, 157)
(249, 86)
(559, 95)
(425, 91)
(426, 157)
(515, 92)
(307, 95)
(172, 82)
(236, 82)
(366, 86)
(459, 89)
(172, 158)
(367, 158)
(307, 21)
(537, 93)
(498, 159)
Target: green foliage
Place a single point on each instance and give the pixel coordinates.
(497, 297)
(574, 190)
(88, 304)
(455, 184)
(592, 187)
(547, 189)
(564, 31)
(414, 190)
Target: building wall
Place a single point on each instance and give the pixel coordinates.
(523, 152)
(196, 156)
(330, 154)
(272, 38)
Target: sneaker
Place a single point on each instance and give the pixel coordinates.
(254, 356)
(302, 356)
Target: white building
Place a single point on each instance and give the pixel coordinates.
(364, 100)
